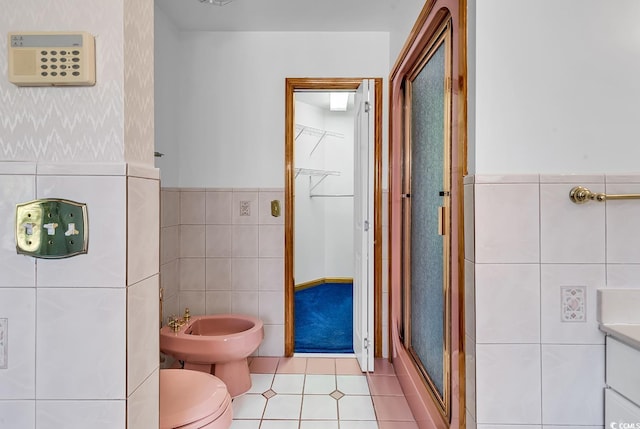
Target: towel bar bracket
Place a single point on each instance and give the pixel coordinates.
(581, 195)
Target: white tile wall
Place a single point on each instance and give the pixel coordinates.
(245, 274)
(563, 236)
(192, 274)
(573, 384)
(508, 384)
(83, 332)
(552, 372)
(623, 241)
(271, 271)
(142, 332)
(192, 207)
(219, 241)
(17, 414)
(507, 303)
(81, 414)
(469, 224)
(104, 265)
(15, 270)
(192, 241)
(271, 241)
(143, 406)
(623, 275)
(555, 276)
(507, 223)
(245, 241)
(18, 380)
(219, 207)
(143, 228)
(470, 299)
(470, 376)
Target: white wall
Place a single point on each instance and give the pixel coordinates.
(324, 225)
(402, 20)
(309, 228)
(557, 86)
(339, 156)
(231, 120)
(167, 89)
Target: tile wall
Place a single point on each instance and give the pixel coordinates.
(534, 261)
(79, 328)
(215, 259)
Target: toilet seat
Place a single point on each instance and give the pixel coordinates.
(193, 400)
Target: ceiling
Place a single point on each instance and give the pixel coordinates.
(281, 15)
(320, 99)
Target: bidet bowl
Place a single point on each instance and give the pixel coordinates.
(213, 339)
(218, 344)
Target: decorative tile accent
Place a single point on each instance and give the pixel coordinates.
(336, 394)
(245, 208)
(269, 394)
(574, 303)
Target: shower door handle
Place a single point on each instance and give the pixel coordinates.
(442, 220)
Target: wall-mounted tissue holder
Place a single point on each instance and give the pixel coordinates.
(51, 228)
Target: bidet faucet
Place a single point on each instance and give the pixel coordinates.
(175, 323)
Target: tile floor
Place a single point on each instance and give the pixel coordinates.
(321, 393)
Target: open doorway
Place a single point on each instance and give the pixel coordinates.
(323, 223)
(311, 177)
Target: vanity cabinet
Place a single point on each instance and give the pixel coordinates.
(622, 395)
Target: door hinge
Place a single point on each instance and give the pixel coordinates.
(366, 343)
(366, 225)
(367, 106)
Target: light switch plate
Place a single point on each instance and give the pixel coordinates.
(4, 343)
(573, 303)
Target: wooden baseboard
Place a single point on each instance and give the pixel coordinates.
(317, 282)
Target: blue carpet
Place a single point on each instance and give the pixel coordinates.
(324, 319)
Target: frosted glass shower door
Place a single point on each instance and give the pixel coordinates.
(426, 211)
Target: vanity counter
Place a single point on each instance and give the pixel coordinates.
(626, 333)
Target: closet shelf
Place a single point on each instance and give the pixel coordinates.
(322, 174)
(316, 132)
(312, 172)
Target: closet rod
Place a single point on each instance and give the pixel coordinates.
(580, 195)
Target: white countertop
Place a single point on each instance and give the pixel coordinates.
(627, 333)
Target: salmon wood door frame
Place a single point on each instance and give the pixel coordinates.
(435, 403)
(328, 84)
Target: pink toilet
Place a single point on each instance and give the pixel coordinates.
(193, 400)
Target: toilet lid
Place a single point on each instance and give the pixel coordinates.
(189, 396)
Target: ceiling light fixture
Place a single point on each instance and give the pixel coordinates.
(338, 101)
(218, 2)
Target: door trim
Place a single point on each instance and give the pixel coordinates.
(318, 84)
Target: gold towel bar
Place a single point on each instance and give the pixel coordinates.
(581, 195)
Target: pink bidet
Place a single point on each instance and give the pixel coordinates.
(217, 344)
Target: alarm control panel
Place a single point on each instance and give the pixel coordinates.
(52, 59)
